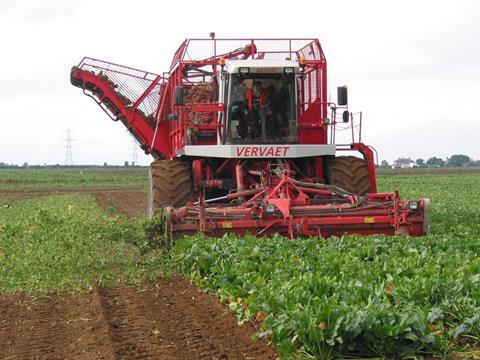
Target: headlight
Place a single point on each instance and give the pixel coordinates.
(289, 70)
(413, 205)
(269, 208)
(244, 70)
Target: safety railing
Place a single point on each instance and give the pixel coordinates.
(130, 84)
(193, 118)
(352, 124)
(204, 49)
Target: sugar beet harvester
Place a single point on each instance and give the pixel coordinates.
(244, 142)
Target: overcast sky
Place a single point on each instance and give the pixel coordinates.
(412, 67)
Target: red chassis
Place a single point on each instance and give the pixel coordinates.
(295, 208)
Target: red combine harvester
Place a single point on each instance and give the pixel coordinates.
(244, 142)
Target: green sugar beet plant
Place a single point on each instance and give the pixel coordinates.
(57, 243)
(371, 296)
(375, 296)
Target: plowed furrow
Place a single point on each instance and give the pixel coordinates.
(51, 328)
(166, 319)
(206, 327)
(132, 327)
(44, 331)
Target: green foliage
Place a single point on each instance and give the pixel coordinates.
(64, 242)
(435, 161)
(458, 160)
(68, 178)
(394, 297)
(155, 238)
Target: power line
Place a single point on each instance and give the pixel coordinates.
(68, 149)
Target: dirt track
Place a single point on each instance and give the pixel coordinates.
(128, 202)
(165, 319)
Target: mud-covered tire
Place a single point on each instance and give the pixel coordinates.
(349, 173)
(169, 184)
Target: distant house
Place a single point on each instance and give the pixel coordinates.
(403, 163)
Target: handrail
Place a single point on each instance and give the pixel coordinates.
(108, 63)
(204, 49)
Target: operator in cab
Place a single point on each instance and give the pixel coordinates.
(260, 109)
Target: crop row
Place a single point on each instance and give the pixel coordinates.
(360, 296)
(65, 242)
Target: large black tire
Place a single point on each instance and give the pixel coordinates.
(169, 184)
(349, 173)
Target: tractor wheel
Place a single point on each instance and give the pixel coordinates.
(349, 173)
(169, 184)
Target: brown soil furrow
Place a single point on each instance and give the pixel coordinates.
(50, 328)
(163, 319)
(41, 331)
(130, 203)
(132, 327)
(205, 327)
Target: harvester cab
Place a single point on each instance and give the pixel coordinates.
(244, 141)
(261, 101)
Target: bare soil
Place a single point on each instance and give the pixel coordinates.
(51, 191)
(129, 201)
(163, 319)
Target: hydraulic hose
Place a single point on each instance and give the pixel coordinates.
(332, 188)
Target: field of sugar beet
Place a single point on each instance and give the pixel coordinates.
(79, 278)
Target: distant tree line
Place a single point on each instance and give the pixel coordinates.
(457, 160)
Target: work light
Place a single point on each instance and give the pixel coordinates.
(269, 208)
(413, 205)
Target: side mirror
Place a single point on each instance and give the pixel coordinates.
(342, 97)
(345, 116)
(179, 95)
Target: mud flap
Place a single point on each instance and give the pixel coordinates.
(427, 215)
(166, 220)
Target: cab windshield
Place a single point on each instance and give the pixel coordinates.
(261, 109)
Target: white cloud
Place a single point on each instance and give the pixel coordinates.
(411, 66)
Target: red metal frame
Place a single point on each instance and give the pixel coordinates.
(285, 196)
(295, 213)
